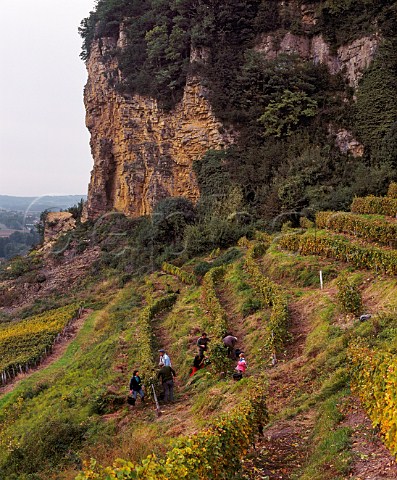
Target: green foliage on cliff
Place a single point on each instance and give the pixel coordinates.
(285, 158)
(376, 97)
(342, 21)
(282, 118)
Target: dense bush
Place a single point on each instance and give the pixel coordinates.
(344, 21)
(170, 218)
(374, 381)
(283, 117)
(139, 245)
(376, 107)
(215, 232)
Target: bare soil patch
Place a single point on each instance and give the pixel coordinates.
(372, 460)
(57, 276)
(285, 445)
(282, 451)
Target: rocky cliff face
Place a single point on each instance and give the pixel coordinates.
(142, 154)
(352, 59)
(56, 224)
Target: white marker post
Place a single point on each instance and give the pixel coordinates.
(321, 280)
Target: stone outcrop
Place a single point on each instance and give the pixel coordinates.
(346, 142)
(141, 153)
(56, 224)
(351, 59)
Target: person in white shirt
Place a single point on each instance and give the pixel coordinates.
(164, 360)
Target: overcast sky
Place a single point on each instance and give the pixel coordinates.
(44, 144)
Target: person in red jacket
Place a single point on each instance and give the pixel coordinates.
(241, 364)
(198, 363)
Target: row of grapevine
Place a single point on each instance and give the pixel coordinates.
(215, 452)
(349, 295)
(377, 230)
(146, 336)
(375, 205)
(332, 246)
(273, 296)
(375, 382)
(185, 277)
(392, 191)
(212, 303)
(25, 344)
(261, 237)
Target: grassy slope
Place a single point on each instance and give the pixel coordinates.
(75, 408)
(313, 382)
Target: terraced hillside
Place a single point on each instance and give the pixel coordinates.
(316, 373)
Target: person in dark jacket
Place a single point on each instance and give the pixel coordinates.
(202, 344)
(136, 386)
(167, 374)
(229, 341)
(198, 363)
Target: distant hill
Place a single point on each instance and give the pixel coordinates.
(38, 204)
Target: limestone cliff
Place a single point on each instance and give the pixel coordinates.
(141, 153)
(351, 59)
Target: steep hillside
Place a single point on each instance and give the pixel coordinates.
(229, 140)
(311, 361)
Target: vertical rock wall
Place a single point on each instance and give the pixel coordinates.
(142, 154)
(351, 59)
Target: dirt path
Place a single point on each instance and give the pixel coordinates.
(372, 460)
(282, 451)
(176, 414)
(235, 318)
(58, 350)
(285, 445)
(164, 341)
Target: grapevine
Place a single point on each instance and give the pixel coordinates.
(25, 344)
